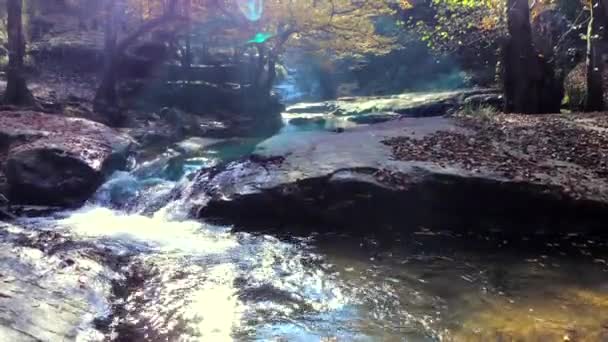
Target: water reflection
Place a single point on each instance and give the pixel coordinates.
(191, 281)
(202, 282)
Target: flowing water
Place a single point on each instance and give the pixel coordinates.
(185, 280)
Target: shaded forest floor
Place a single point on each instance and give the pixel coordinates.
(67, 93)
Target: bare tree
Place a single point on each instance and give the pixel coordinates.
(17, 92)
(530, 82)
(106, 98)
(596, 40)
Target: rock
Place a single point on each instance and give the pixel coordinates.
(407, 104)
(246, 112)
(378, 109)
(50, 177)
(373, 118)
(168, 164)
(195, 145)
(33, 210)
(302, 121)
(50, 289)
(312, 108)
(492, 100)
(58, 161)
(354, 181)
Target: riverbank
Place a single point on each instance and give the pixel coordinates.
(568, 150)
(529, 172)
(407, 262)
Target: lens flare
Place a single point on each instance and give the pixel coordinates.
(251, 9)
(260, 38)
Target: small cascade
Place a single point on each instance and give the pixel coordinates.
(144, 270)
(192, 280)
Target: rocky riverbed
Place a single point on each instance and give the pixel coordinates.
(57, 160)
(541, 171)
(443, 228)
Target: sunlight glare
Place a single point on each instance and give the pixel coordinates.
(251, 9)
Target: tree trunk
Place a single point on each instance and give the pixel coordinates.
(16, 92)
(260, 64)
(187, 61)
(272, 74)
(531, 85)
(596, 38)
(273, 57)
(106, 97)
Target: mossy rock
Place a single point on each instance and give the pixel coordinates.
(576, 87)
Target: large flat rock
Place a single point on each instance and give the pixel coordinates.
(373, 109)
(50, 295)
(57, 160)
(356, 179)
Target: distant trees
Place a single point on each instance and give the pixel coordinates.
(16, 92)
(533, 63)
(331, 28)
(106, 98)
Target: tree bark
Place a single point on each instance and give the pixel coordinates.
(187, 61)
(16, 92)
(260, 64)
(596, 39)
(272, 75)
(106, 98)
(531, 84)
(520, 62)
(273, 57)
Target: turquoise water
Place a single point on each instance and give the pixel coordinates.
(195, 281)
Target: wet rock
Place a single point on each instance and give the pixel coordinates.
(312, 108)
(169, 126)
(355, 181)
(46, 297)
(302, 121)
(373, 118)
(58, 161)
(378, 109)
(166, 165)
(492, 100)
(195, 145)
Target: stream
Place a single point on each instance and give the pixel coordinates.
(176, 279)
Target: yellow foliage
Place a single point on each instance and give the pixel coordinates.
(333, 26)
(339, 26)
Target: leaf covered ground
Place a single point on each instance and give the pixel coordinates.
(567, 149)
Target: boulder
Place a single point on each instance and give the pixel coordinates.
(52, 288)
(355, 181)
(373, 118)
(194, 146)
(480, 100)
(58, 161)
(378, 109)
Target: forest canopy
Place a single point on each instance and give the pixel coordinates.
(477, 36)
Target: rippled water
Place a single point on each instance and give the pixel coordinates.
(191, 281)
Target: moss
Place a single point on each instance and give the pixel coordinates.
(484, 112)
(576, 88)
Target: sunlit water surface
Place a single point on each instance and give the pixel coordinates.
(191, 281)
